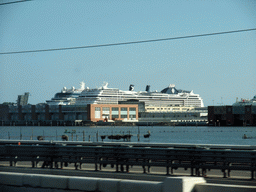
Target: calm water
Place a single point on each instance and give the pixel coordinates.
(193, 135)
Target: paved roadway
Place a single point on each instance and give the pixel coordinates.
(135, 173)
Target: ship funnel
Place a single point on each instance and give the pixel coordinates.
(147, 88)
(131, 88)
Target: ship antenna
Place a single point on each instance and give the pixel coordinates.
(105, 85)
(82, 84)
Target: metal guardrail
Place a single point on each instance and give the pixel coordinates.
(198, 159)
(133, 144)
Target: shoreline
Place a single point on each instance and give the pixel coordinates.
(83, 123)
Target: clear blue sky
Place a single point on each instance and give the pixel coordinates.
(222, 66)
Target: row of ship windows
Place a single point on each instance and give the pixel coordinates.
(167, 108)
(97, 116)
(114, 109)
(123, 116)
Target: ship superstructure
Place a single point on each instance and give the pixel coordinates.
(243, 102)
(170, 96)
(66, 96)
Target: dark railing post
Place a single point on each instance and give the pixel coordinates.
(96, 160)
(192, 168)
(229, 172)
(127, 166)
(224, 173)
(172, 167)
(51, 162)
(149, 161)
(204, 172)
(167, 168)
(197, 171)
(100, 162)
(56, 165)
(117, 164)
(116, 155)
(252, 171)
(96, 165)
(224, 170)
(144, 162)
(122, 167)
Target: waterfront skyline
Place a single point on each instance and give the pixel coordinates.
(219, 68)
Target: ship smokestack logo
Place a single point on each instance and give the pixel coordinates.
(148, 88)
(131, 88)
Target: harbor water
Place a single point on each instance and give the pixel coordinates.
(158, 134)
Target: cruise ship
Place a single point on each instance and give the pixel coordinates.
(66, 96)
(169, 96)
(244, 102)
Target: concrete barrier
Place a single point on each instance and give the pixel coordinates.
(83, 183)
(22, 182)
(7, 188)
(54, 181)
(140, 186)
(109, 185)
(11, 178)
(222, 187)
(32, 180)
(184, 184)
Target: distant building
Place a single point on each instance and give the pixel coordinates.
(125, 111)
(23, 99)
(242, 113)
(4, 112)
(165, 115)
(72, 113)
(112, 112)
(141, 104)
